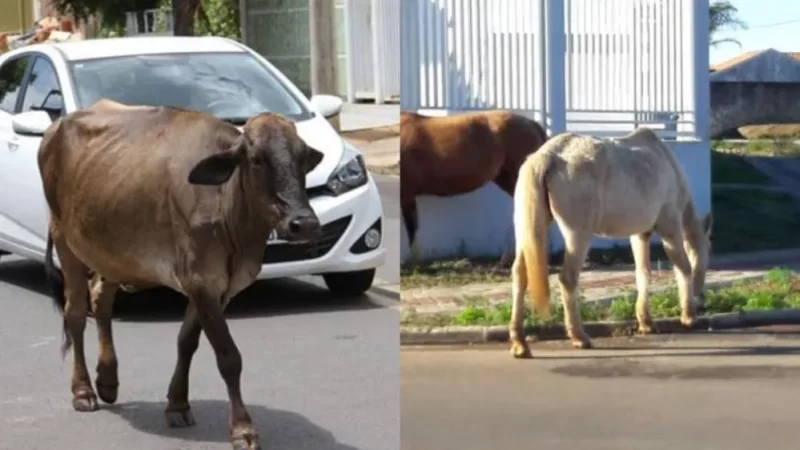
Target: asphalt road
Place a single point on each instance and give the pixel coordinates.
(319, 373)
(702, 392)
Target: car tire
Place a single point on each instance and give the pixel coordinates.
(349, 284)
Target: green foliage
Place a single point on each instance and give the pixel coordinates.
(111, 11)
(219, 18)
(723, 15)
(623, 308)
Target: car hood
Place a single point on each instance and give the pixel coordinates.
(319, 134)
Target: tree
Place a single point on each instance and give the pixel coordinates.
(722, 15)
(112, 11)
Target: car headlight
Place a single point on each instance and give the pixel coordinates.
(350, 173)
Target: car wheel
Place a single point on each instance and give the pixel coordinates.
(349, 284)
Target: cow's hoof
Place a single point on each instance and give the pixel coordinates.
(107, 392)
(520, 350)
(180, 419)
(84, 401)
(246, 439)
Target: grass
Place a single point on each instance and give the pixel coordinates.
(754, 220)
(780, 289)
(731, 168)
(744, 221)
(780, 146)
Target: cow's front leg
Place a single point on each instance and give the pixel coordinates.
(229, 361)
(178, 413)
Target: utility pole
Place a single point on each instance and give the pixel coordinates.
(322, 40)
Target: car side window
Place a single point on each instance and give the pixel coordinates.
(43, 91)
(11, 75)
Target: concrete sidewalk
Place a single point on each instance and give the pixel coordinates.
(359, 116)
(601, 285)
(374, 130)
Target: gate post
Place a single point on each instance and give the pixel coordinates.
(555, 66)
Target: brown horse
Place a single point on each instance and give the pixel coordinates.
(448, 156)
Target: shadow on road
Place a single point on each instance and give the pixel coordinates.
(279, 430)
(263, 298)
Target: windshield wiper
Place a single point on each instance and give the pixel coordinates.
(238, 121)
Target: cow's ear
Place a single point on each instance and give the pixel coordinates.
(215, 169)
(311, 159)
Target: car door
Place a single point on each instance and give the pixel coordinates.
(12, 77)
(27, 206)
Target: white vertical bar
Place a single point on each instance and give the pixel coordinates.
(377, 66)
(555, 65)
(570, 50)
(701, 87)
(541, 58)
(506, 92)
(348, 58)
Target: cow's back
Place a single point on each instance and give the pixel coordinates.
(119, 177)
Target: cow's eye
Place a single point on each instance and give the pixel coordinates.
(257, 160)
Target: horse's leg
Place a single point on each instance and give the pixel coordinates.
(516, 329)
(672, 236)
(76, 291)
(640, 245)
(506, 180)
(178, 412)
(411, 220)
(576, 249)
(107, 382)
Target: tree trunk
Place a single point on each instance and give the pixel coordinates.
(183, 15)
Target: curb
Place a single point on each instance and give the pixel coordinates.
(465, 335)
(606, 300)
(392, 291)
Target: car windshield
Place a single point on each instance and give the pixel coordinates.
(231, 86)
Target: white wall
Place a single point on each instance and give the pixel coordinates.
(479, 224)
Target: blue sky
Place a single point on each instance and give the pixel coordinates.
(757, 14)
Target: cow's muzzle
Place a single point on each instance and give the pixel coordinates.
(301, 227)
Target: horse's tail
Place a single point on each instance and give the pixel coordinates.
(55, 281)
(531, 220)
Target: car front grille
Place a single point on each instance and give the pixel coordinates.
(331, 233)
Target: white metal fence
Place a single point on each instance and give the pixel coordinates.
(594, 66)
(372, 33)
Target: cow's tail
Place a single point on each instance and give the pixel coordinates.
(531, 221)
(55, 282)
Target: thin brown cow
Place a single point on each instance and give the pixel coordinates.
(147, 196)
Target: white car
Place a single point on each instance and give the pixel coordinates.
(39, 83)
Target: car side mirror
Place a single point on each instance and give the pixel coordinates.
(327, 105)
(31, 123)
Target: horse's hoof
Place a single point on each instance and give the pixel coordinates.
(646, 328)
(688, 321)
(180, 419)
(84, 401)
(246, 439)
(583, 344)
(520, 350)
(107, 391)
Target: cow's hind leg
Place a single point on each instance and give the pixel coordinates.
(76, 291)
(178, 412)
(229, 362)
(107, 382)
